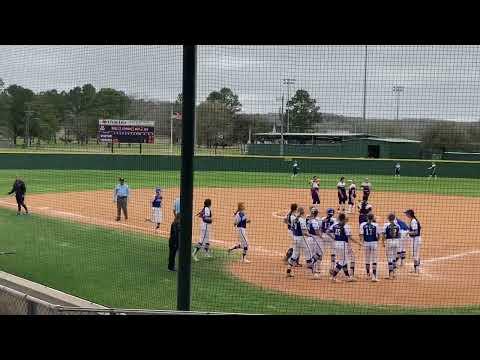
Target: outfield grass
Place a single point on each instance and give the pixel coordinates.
(44, 181)
(128, 270)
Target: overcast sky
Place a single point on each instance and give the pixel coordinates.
(439, 81)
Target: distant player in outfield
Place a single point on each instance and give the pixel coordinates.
(20, 189)
(433, 171)
(157, 215)
(204, 243)
(240, 221)
(369, 235)
(295, 168)
(315, 190)
(342, 194)
(367, 189)
(397, 169)
(352, 194)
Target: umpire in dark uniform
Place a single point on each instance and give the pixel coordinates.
(19, 188)
(173, 242)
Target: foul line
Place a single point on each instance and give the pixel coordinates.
(96, 221)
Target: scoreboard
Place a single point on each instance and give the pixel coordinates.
(126, 131)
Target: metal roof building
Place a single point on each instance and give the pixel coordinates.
(334, 144)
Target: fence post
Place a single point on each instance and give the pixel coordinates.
(186, 185)
(31, 307)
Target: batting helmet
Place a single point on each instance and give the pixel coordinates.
(330, 211)
(158, 189)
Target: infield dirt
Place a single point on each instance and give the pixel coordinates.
(450, 251)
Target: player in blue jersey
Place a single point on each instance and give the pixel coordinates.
(391, 238)
(157, 215)
(401, 254)
(240, 222)
(313, 247)
(326, 242)
(369, 235)
(342, 234)
(415, 232)
(300, 232)
(289, 220)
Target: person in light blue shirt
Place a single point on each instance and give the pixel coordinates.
(120, 196)
(176, 207)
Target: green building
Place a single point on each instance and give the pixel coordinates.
(338, 144)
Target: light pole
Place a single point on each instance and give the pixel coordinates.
(281, 124)
(288, 82)
(28, 114)
(398, 90)
(365, 86)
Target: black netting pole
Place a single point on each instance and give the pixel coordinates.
(186, 185)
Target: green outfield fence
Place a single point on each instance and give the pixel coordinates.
(454, 169)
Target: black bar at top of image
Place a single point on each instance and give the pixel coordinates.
(186, 185)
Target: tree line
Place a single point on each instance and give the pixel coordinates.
(72, 116)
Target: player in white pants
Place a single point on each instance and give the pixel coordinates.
(240, 222)
(313, 243)
(289, 220)
(300, 231)
(326, 242)
(205, 229)
(391, 240)
(403, 242)
(415, 234)
(157, 216)
(369, 234)
(342, 234)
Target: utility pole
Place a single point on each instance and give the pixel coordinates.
(28, 114)
(281, 124)
(398, 90)
(365, 86)
(186, 179)
(288, 82)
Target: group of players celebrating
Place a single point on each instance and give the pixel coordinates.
(315, 236)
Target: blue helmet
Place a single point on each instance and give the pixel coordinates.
(330, 211)
(158, 189)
